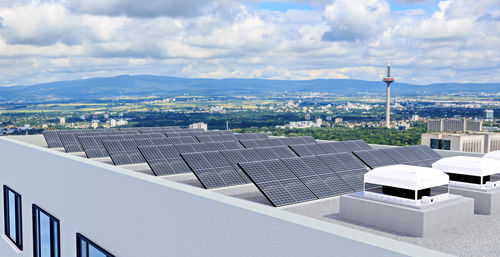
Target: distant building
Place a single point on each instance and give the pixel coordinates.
(339, 120)
(106, 116)
(474, 126)
(454, 125)
(478, 142)
(489, 115)
(307, 117)
(95, 124)
(112, 123)
(62, 121)
(82, 117)
(121, 122)
(435, 125)
(415, 117)
(199, 125)
(303, 124)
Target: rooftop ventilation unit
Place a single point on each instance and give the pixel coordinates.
(407, 185)
(470, 172)
(493, 155)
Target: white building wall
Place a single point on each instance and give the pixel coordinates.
(137, 215)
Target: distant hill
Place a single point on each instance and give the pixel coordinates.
(145, 85)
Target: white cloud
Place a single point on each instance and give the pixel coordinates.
(52, 40)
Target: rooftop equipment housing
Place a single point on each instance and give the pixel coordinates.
(406, 184)
(493, 155)
(470, 172)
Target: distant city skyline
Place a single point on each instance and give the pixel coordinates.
(429, 41)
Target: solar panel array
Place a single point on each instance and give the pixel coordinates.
(278, 183)
(93, 147)
(419, 155)
(164, 159)
(425, 153)
(321, 180)
(123, 152)
(52, 139)
(286, 170)
(292, 180)
(212, 169)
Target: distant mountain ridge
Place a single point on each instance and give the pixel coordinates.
(145, 85)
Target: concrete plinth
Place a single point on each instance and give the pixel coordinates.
(410, 221)
(486, 201)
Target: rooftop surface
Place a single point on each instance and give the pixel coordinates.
(479, 238)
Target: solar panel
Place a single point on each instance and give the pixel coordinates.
(328, 147)
(144, 141)
(164, 160)
(92, 146)
(301, 150)
(341, 147)
(298, 140)
(70, 142)
(347, 167)
(212, 169)
(52, 138)
(374, 158)
(362, 145)
(396, 154)
(318, 178)
(283, 151)
(232, 144)
(315, 149)
(260, 135)
(185, 148)
(275, 141)
(262, 142)
(123, 151)
(150, 135)
(204, 138)
(278, 184)
(425, 153)
(249, 143)
(287, 140)
(215, 146)
(352, 145)
(309, 139)
(267, 153)
(228, 137)
(187, 139)
(241, 155)
(216, 138)
(195, 133)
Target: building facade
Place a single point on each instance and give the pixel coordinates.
(479, 142)
(199, 125)
(125, 213)
(454, 125)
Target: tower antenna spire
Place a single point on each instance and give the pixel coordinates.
(388, 80)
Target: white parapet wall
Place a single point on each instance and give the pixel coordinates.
(136, 215)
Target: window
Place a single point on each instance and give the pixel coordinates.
(86, 248)
(440, 144)
(12, 215)
(45, 234)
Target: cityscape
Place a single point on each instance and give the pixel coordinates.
(250, 128)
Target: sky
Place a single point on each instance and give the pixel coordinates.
(428, 41)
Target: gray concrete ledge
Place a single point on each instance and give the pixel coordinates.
(417, 222)
(486, 202)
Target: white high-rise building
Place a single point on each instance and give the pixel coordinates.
(199, 125)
